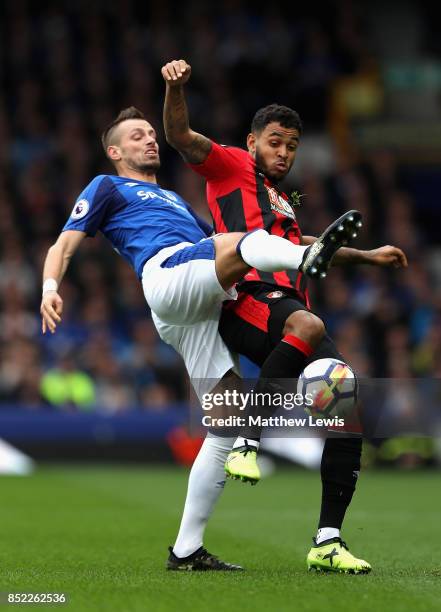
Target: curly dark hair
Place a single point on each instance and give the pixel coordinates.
(127, 113)
(287, 117)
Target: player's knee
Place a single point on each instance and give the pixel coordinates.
(227, 244)
(305, 325)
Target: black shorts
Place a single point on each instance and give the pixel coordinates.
(253, 325)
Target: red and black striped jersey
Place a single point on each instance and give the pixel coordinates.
(241, 199)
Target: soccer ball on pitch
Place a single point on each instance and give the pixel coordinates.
(332, 386)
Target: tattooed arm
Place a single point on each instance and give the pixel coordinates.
(193, 147)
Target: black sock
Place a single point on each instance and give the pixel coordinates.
(286, 360)
(340, 468)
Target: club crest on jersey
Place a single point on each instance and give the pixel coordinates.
(80, 209)
(279, 204)
(275, 294)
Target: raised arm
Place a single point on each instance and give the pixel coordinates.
(55, 266)
(193, 147)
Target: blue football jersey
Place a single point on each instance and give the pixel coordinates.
(138, 218)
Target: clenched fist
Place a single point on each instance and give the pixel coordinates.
(176, 72)
(386, 256)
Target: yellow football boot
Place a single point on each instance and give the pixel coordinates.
(333, 556)
(241, 464)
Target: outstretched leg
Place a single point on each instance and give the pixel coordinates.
(236, 253)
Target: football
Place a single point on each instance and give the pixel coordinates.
(329, 387)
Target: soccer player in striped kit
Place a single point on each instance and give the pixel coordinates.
(271, 322)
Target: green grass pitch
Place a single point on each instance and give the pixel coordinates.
(99, 534)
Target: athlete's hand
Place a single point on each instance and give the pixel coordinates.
(176, 72)
(51, 309)
(387, 256)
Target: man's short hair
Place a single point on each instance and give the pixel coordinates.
(287, 117)
(127, 113)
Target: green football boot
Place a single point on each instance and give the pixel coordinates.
(333, 556)
(241, 464)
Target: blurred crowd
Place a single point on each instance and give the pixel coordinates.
(67, 68)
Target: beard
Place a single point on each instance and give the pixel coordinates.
(152, 166)
(260, 163)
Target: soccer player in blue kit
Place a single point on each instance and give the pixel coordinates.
(186, 273)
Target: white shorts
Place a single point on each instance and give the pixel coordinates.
(182, 289)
